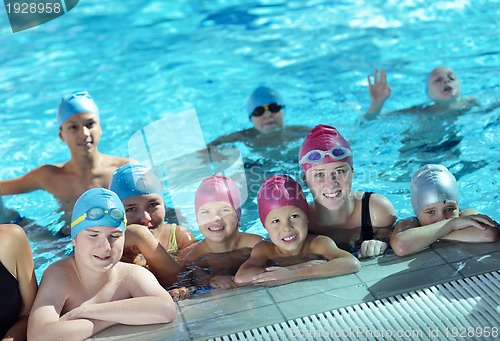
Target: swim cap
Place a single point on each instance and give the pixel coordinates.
(279, 191)
(260, 96)
(96, 198)
(74, 103)
(431, 184)
(218, 188)
(134, 179)
(323, 137)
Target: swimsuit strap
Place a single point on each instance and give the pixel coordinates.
(172, 241)
(366, 222)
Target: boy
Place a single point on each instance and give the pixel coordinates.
(90, 291)
(216, 259)
(443, 88)
(148, 240)
(353, 219)
(283, 211)
(434, 197)
(80, 129)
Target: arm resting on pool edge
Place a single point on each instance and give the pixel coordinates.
(409, 237)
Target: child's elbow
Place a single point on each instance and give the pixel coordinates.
(400, 247)
(240, 280)
(356, 265)
(169, 314)
(489, 235)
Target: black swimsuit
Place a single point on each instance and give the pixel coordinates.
(366, 221)
(10, 298)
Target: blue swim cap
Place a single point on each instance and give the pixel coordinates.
(97, 198)
(262, 95)
(134, 179)
(74, 103)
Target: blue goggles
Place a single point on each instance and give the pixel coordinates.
(96, 213)
(316, 156)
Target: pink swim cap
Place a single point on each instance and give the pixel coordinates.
(218, 188)
(323, 138)
(280, 191)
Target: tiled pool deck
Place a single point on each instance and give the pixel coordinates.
(222, 312)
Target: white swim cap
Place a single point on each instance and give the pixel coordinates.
(431, 184)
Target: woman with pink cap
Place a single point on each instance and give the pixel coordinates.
(284, 212)
(215, 260)
(350, 218)
(435, 198)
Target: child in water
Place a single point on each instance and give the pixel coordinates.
(216, 258)
(292, 254)
(92, 290)
(443, 88)
(435, 201)
(149, 241)
(80, 129)
(353, 219)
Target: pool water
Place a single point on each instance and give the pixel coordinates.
(144, 61)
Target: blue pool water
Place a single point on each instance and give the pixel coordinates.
(143, 61)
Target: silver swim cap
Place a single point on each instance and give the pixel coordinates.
(431, 184)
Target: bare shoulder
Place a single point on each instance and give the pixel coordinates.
(382, 212)
(116, 161)
(190, 253)
(319, 242)
(249, 239)
(60, 273)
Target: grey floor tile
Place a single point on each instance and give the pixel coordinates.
(173, 331)
(325, 301)
(227, 305)
(248, 319)
(478, 265)
(210, 295)
(421, 260)
(461, 251)
(409, 280)
(310, 287)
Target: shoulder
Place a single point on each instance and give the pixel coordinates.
(60, 273)
(250, 239)
(115, 161)
(320, 241)
(382, 211)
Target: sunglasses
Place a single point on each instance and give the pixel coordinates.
(273, 108)
(95, 213)
(316, 156)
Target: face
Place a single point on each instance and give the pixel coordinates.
(330, 183)
(443, 84)
(146, 209)
(81, 132)
(437, 212)
(287, 227)
(269, 121)
(99, 247)
(217, 221)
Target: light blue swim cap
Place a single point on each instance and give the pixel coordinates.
(262, 95)
(134, 179)
(431, 184)
(96, 198)
(74, 103)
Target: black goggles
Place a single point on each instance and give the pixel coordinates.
(273, 108)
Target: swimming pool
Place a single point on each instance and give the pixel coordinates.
(141, 61)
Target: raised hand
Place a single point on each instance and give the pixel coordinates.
(379, 91)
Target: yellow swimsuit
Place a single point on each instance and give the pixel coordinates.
(172, 242)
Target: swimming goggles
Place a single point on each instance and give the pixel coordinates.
(316, 155)
(273, 108)
(96, 213)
